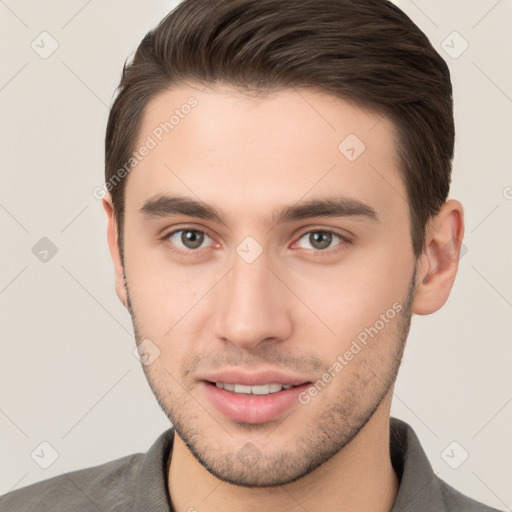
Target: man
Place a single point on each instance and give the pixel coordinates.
(277, 175)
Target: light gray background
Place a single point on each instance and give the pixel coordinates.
(68, 375)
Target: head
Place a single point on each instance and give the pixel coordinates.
(277, 177)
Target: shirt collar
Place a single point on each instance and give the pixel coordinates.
(419, 486)
(151, 492)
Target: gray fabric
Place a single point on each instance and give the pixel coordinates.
(138, 483)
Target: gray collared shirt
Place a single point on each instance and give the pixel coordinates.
(138, 483)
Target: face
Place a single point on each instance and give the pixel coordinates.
(269, 273)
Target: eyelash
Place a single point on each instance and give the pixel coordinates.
(191, 252)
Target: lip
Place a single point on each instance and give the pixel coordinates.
(236, 376)
(248, 408)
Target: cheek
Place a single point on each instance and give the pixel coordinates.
(171, 306)
(351, 296)
(164, 306)
(161, 291)
(366, 321)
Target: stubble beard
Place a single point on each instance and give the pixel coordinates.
(329, 432)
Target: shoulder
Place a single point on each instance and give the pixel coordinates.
(107, 486)
(420, 488)
(456, 501)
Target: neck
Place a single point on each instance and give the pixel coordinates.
(359, 477)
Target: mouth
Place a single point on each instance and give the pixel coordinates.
(253, 403)
(244, 389)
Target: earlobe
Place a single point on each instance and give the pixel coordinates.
(115, 252)
(438, 265)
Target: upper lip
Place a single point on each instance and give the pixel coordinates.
(254, 378)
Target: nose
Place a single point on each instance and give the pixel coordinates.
(252, 305)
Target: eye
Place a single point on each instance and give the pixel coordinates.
(320, 240)
(188, 239)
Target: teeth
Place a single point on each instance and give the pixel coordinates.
(240, 388)
(263, 389)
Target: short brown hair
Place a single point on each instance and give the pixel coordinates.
(366, 51)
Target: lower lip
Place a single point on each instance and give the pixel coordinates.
(246, 408)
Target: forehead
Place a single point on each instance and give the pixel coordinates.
(242, 153)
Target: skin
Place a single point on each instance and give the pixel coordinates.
(296, 308)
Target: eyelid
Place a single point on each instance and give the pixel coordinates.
(187, 227)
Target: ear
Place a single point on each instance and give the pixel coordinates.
(115, 252)
(438, 265)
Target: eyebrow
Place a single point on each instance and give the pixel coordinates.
(340, 206)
